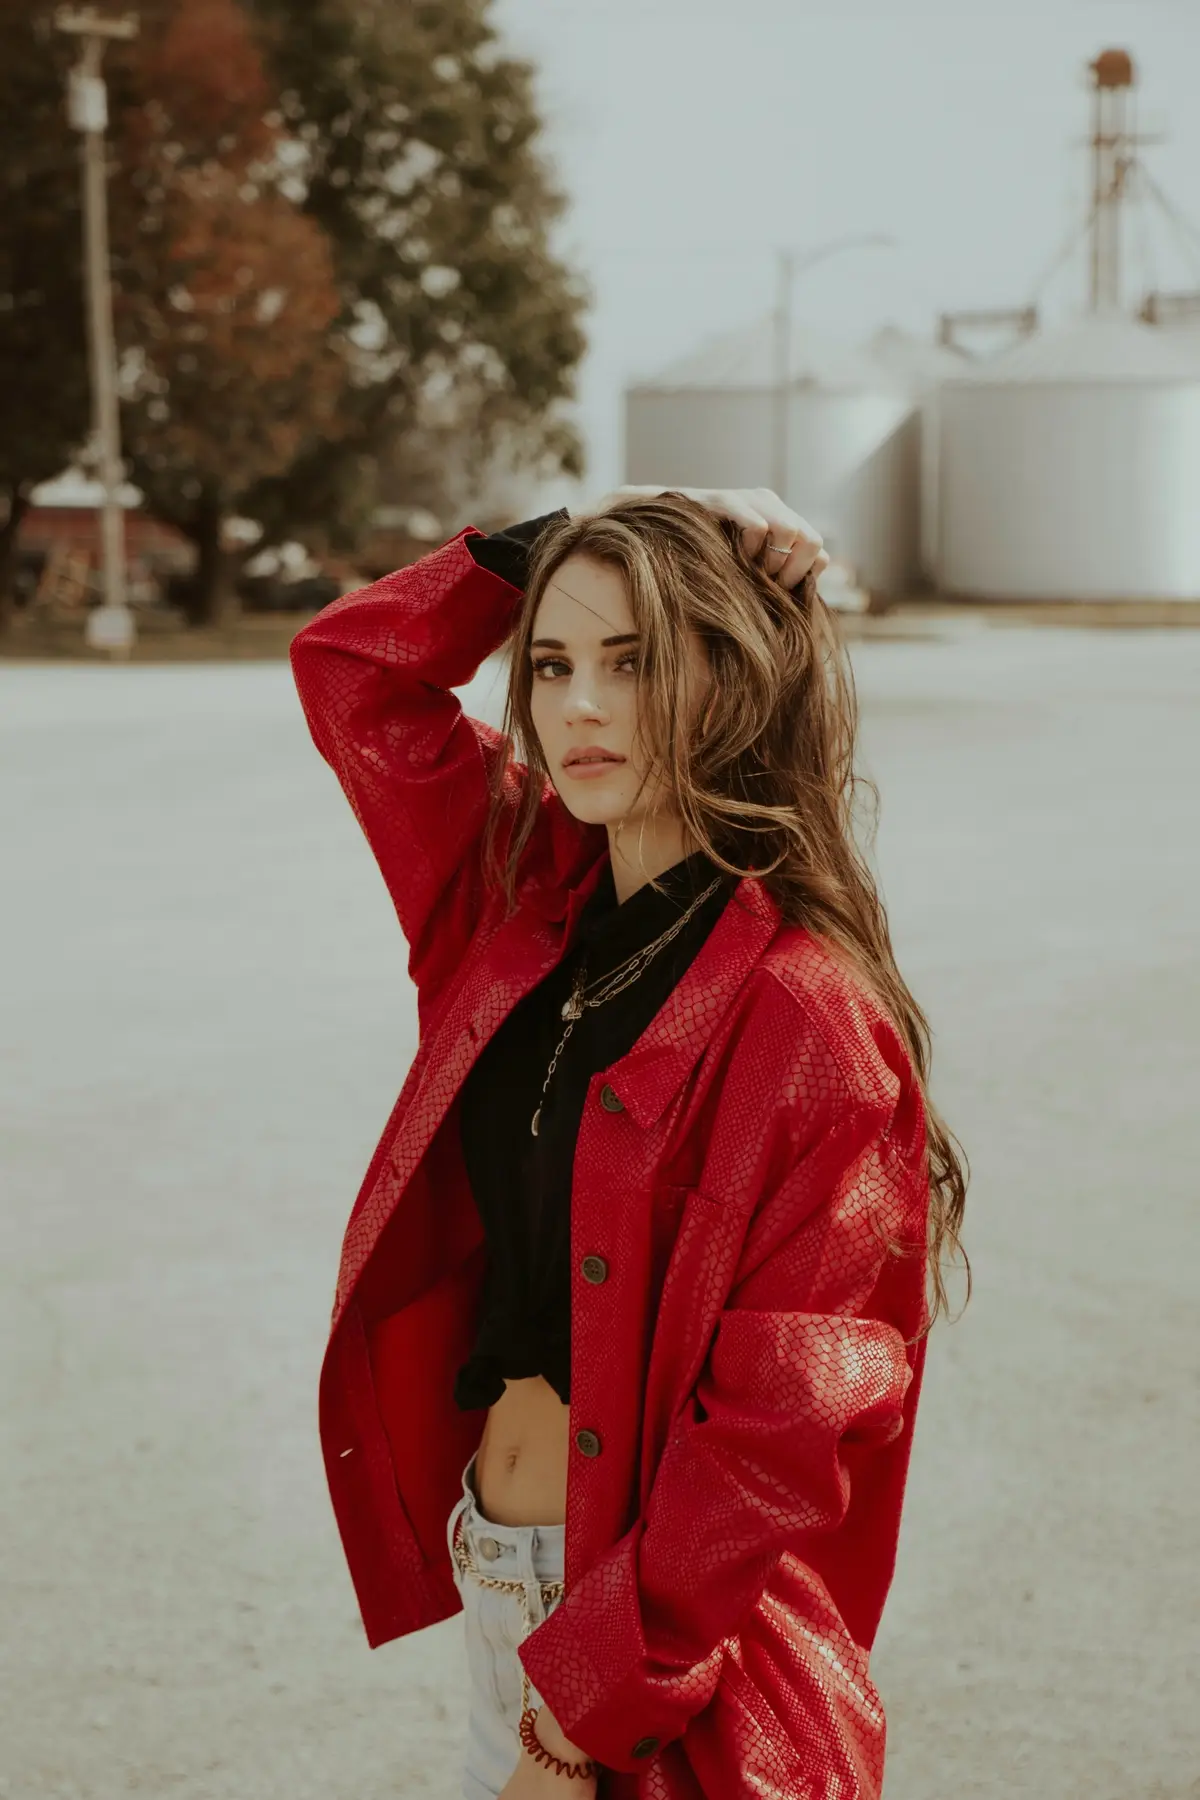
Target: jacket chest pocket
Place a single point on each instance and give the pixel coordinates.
(683, 1221)
(667, 1209)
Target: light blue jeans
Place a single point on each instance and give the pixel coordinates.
(495, 1623)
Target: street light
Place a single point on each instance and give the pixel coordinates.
(110, 625)
(790, 264)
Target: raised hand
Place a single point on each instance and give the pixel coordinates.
(788, 544)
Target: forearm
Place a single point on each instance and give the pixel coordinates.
(433, 623)
(376, 673)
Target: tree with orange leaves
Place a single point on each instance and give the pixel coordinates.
(332, 258)
(226, 291)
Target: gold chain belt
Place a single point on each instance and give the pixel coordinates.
(464, 1557)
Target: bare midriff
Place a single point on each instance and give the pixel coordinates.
(521, 1464)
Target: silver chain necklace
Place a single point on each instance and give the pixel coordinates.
(605, 987)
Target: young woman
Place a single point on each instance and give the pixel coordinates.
(647, 1241)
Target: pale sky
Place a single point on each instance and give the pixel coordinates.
(694, 136)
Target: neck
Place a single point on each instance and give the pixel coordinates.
(662, 845)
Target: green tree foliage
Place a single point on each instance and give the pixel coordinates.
(415, 145)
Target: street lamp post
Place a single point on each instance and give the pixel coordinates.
(110, 625)
(789, 264)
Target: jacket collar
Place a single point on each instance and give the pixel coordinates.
(647, 1078)
(609, 932)
(564, 900)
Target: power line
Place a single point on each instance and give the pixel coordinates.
(1064, 254)
(1187, 233)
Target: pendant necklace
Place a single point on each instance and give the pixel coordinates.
(605, 987)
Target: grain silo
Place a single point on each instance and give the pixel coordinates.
(842, 440)
(922, 366)
(1069, 468)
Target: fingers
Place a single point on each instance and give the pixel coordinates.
(801, 561)
(763, 520)
(790, 546)
(787, 544)
(744, 508)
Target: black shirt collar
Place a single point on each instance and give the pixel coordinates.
(611, 932)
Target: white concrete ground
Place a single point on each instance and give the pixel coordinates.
(205, 1019)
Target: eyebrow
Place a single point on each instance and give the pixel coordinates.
(630, 637)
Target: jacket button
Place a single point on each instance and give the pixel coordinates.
(644, 1747)
(588, 1443)
(594, 1269)
(609, 1100)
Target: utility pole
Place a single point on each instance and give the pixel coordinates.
(1114, 143)
(110, 625)
(789, 264)
(1113, 79)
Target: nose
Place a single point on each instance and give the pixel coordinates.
(581, 700)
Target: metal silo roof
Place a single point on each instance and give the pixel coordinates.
(1099, 348)
(744, 360)
(918, 361)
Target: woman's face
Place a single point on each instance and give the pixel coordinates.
(584, 694)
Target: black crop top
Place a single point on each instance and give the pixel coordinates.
(522, 1183)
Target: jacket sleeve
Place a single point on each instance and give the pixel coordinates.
(374, 671)
(804, 1366)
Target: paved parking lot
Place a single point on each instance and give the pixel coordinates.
(205, 1021)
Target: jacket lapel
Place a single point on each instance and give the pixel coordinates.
(647, 1078)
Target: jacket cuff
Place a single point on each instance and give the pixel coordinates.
(506, 553)
(607, 1697)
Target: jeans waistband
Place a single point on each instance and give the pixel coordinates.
(524, 1560)
(519, 1553)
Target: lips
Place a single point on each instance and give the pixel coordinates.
(575, 758)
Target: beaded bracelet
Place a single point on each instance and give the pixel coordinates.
(539, 1752)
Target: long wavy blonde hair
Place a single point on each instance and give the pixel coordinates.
(766, 784)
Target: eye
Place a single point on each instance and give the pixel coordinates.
(541, 665)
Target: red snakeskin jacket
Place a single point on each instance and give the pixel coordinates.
(742, 1371)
